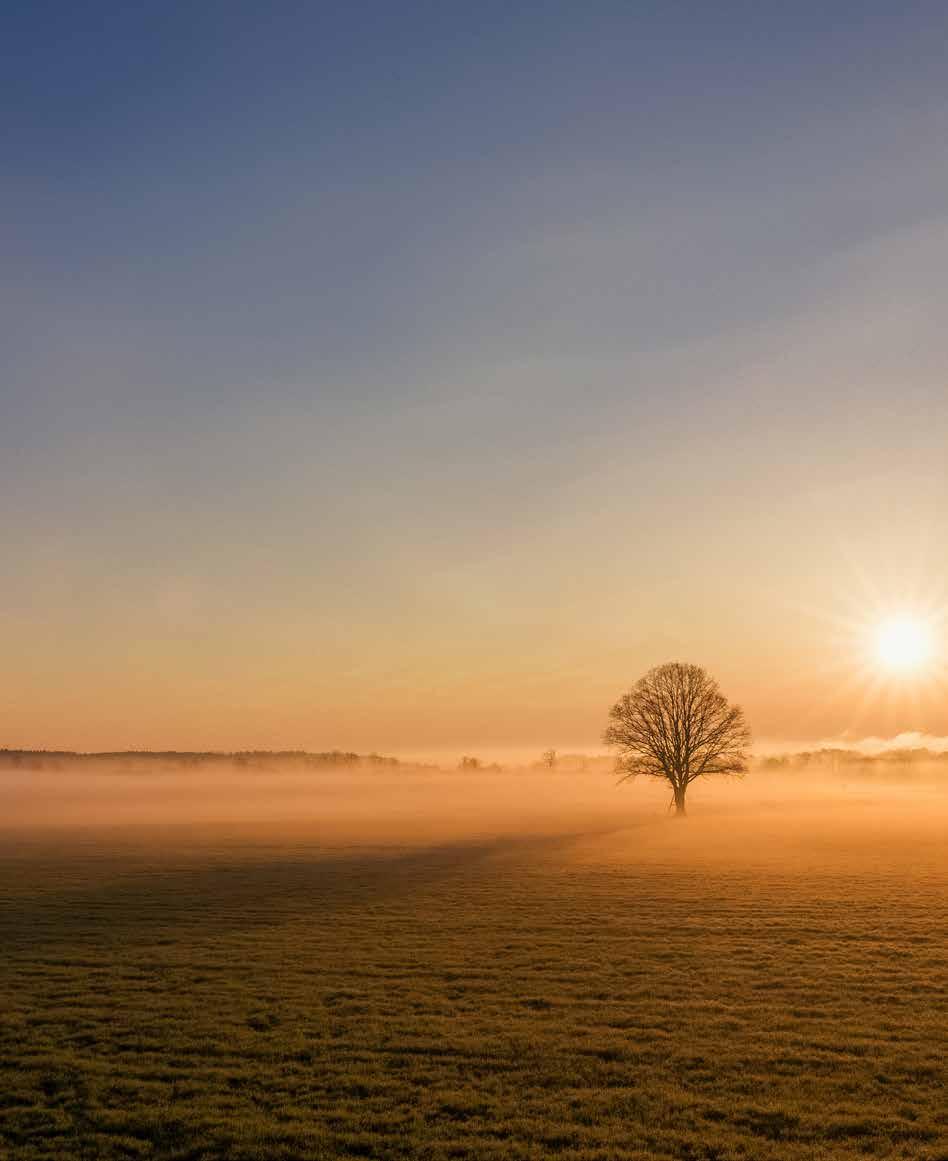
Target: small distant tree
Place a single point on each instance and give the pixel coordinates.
(548, 758)
(675, 723)
(468, 763)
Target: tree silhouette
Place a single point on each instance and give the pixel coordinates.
(675, 723)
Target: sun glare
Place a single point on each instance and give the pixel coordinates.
(903, 644)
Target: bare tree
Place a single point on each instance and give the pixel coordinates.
(676, 724)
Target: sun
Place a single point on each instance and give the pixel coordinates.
(903, 644)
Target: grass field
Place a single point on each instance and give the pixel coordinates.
(756, 982)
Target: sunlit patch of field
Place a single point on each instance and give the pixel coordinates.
(754, 983)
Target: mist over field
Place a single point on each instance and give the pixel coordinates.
(403, 962)
(386, 802)
(793, 813)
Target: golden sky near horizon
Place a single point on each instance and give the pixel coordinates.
(502, 653)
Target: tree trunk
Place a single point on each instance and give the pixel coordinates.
(680, 801)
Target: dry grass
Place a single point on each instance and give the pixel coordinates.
(751, 984)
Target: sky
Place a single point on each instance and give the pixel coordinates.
(413, 376)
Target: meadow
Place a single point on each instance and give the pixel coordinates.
(471, 966)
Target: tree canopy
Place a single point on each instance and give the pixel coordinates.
(676, 724)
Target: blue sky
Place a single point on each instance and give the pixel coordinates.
(398, 341)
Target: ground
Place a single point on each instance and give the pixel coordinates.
(768, 985)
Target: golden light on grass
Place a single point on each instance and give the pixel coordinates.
(903, 644)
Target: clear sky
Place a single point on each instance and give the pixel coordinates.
(412, 376)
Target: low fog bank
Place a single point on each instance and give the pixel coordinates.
(341, 803)
(369, 801)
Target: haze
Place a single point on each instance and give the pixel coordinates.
(403, 805)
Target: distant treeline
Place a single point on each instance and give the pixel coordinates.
(854, 761)
(188, 760)
(834, 760)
